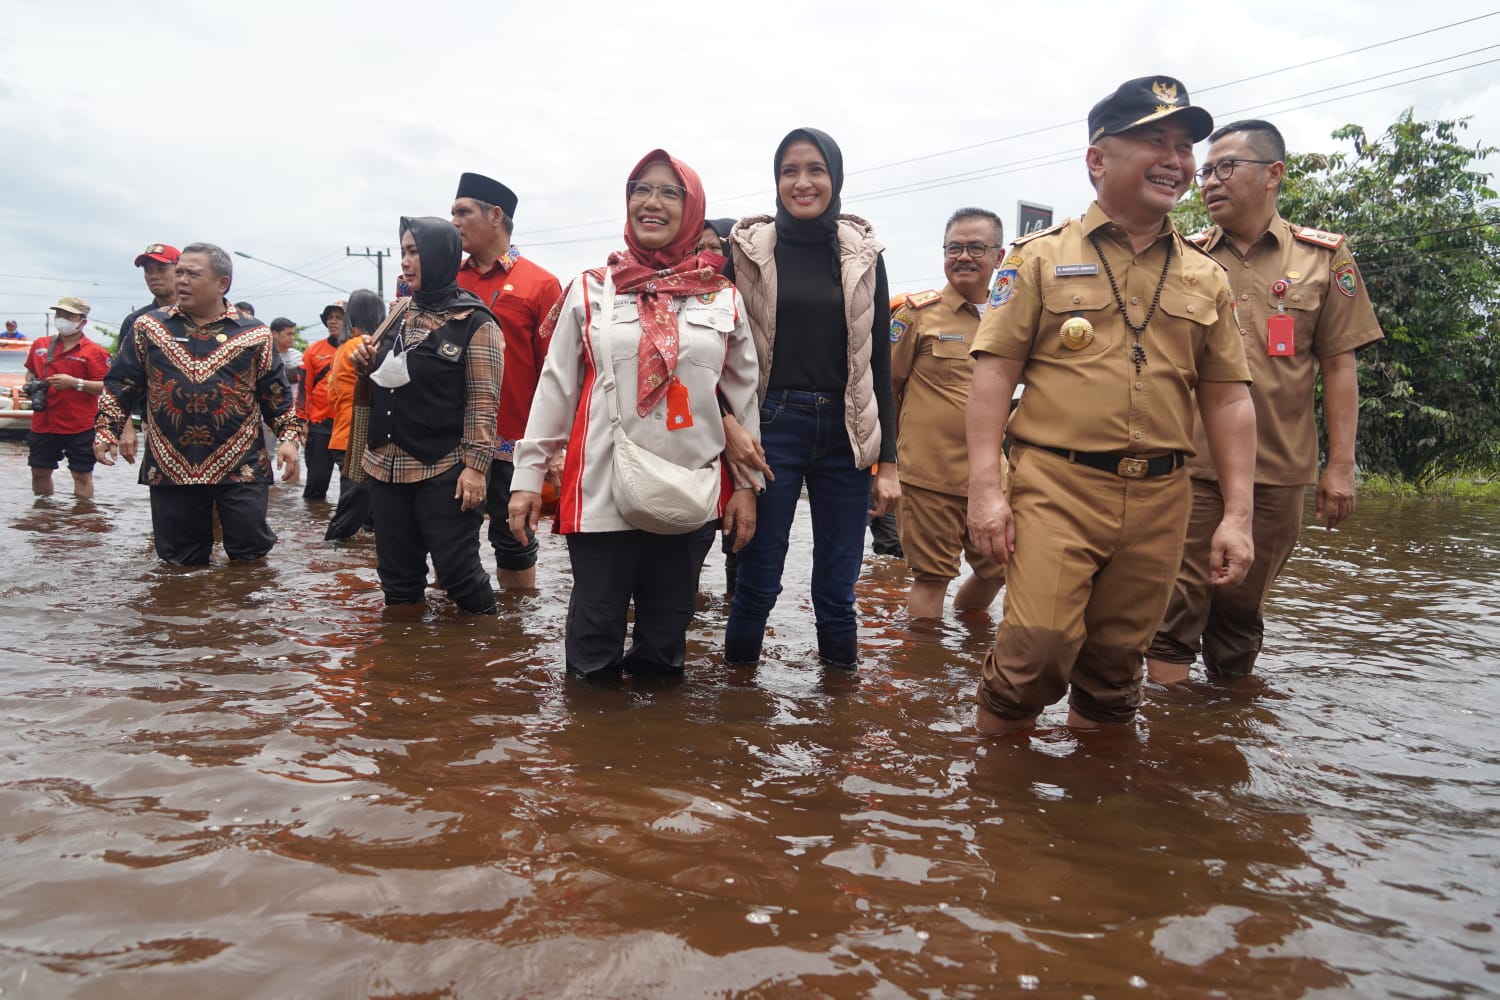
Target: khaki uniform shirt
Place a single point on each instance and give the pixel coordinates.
(1327, 301)
(1092, 398)
(931, 371)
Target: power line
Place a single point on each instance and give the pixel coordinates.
(1365, 48)
(1079, 121)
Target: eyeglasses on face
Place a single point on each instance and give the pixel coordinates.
(1224, 169)
(975, 250)
(640, 191)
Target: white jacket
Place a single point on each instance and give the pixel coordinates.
(716, 350)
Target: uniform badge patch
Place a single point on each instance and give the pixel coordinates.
(1343, 276)
(707, 297)
(898, 329)
(1005, 284)
(1014, 260)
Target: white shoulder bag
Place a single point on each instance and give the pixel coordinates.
(652, 493)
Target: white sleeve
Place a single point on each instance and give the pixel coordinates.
(557, 392)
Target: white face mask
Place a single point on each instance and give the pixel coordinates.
(67, 326)
(392, 373)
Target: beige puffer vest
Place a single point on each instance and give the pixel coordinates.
(753, 245)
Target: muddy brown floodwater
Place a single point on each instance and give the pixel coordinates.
(242, 782)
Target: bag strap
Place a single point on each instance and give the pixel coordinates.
(600, 331)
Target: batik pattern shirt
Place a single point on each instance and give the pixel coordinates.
(205, 389)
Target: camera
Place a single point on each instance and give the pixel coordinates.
(36, 389)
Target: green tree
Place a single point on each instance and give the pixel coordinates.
(1422, 223)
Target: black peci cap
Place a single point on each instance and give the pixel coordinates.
(1144, 100)
(485, 189)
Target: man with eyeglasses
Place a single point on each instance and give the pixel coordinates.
(520, 294)
(1124, 334)
(931, 371)
(1303, 311)
(207, 375)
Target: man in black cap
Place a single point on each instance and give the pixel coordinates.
(1123, 332)
(520, 294)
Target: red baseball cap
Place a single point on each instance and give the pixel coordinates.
(158, 252)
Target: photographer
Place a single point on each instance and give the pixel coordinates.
(67, 375)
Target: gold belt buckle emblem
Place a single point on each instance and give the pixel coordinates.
(1133, 468)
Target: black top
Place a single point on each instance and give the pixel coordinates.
(812, 333)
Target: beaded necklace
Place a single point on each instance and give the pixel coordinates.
(1137, 352)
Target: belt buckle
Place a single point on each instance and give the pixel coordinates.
(1133, 468)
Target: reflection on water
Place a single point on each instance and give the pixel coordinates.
(246, 781)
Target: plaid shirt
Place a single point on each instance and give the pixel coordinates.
(390, 463)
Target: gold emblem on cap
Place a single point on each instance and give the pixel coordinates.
(1165, 91)
(1077, 333)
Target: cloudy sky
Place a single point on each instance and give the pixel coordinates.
(290, 131)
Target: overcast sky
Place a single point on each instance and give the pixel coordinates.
(290, 131)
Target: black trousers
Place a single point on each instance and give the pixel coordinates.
(509, 553)
(320, 461)
(413, 519)
(659, 573)
(183, 521)
(353, 510)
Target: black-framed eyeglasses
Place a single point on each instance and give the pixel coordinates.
(640, 191)
(1224, 169)
(975, 250)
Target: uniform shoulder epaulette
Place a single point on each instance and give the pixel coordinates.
(1040, 232)
(1317, 237)
(921, 300)
(1193, 244)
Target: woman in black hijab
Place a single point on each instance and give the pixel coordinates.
(434, 368)
(813, 280)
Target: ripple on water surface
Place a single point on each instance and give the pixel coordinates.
(246, 780)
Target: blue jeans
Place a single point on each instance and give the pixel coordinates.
(805, 441)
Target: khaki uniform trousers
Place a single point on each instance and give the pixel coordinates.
(1226, 622)
(1095, 558)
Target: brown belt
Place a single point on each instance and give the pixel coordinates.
(1122, 464)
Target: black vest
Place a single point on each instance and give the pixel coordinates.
(425, 417)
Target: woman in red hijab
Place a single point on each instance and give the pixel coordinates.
(678, 345)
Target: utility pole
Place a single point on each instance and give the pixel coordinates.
(380, 256)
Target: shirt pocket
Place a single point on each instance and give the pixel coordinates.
(1302, 303)
(1085, 298)
(1190, 314)
(950, 361)
(702, 330)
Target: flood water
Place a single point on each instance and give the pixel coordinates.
(244, 782)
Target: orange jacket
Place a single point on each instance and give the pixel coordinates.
(315, 371)
(341, 378)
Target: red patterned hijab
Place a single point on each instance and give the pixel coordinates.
(654, 276)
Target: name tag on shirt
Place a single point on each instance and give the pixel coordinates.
(181, 340)
(950, 336)
(1068, 270)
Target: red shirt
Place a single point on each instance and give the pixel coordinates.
(520, 294)
(68, 410)
(317, 362)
